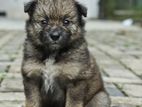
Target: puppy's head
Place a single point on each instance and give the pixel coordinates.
(54, 23)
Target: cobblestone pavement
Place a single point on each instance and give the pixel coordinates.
(118, 53)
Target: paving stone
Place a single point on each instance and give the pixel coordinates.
(118, 80)
(126, 101)
(12, 83)
(4, 57)
(139, 73)
(3, 68)
(6, 38)
(5, 63)
(134, 65)
(12, 97)
(132, 90)
(122, 73)
(123, 105)
(10, 104)
(112, 90)
(134, 53)
(16, 65)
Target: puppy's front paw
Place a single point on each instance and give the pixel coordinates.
(32, 70)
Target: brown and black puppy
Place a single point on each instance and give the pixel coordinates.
(57, 69)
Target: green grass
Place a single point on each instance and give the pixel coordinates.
(2, 76)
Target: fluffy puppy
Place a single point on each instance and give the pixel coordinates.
(57, 69)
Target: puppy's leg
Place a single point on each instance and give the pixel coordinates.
(32, 93)
(32, 72)
(101, 99)
(75, 96)
(32, 68)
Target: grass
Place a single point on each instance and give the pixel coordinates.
(2, 76)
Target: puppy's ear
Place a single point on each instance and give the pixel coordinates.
(28, 7)
(81, 9)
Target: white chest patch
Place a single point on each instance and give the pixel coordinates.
(49, 75)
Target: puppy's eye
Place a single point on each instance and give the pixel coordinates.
(66, 22)
(44, 22)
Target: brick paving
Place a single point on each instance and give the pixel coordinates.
(118, 52)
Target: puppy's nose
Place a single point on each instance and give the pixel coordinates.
(55, 36)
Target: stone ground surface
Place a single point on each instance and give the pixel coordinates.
(118, 51)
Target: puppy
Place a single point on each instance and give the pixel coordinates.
(57, 69)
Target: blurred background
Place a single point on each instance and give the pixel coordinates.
(128, 11)
(102, 9)
(114, 37)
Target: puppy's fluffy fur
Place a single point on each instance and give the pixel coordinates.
(59, 71)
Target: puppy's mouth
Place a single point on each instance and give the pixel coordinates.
(54, 45)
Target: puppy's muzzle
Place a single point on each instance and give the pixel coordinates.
(55, 35)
